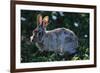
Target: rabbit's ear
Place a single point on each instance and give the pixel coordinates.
(45, 21)
(39, 19)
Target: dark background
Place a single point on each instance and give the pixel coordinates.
(77, 22)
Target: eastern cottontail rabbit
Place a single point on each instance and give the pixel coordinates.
(59, 40)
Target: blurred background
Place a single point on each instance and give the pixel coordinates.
(77, 22)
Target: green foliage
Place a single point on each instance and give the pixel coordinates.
(77, 22)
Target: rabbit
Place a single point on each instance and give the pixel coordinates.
(59, 40)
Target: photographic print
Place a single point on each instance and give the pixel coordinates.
(48, 36)
(59, 36)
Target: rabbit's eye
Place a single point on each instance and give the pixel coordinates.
(39, 33)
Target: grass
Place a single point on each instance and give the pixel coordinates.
(33, 55)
